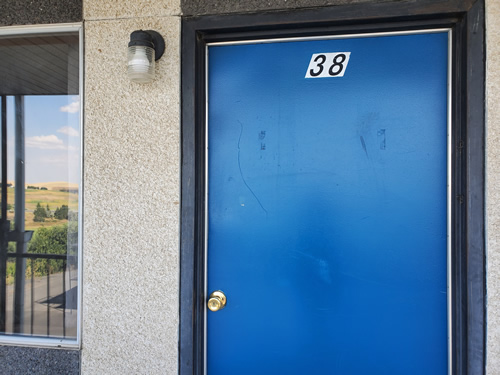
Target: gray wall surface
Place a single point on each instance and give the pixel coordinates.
(204, 7)
(29, 12)
(23, 361)
(132, 194)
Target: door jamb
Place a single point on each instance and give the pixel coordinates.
(466, 18)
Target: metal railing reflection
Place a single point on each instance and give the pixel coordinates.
(55, 271)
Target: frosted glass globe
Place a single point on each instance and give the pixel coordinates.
(141, 64)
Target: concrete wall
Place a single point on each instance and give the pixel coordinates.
(17, 360)
(204, 7)
(28, 12)
(493, 184)
(131, 194)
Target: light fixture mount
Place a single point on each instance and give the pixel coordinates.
(148, 38)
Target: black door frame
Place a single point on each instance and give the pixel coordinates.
(466, 19)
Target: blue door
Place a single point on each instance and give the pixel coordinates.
(327, 206)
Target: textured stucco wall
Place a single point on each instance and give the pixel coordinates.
(131, 194)
(493, 184)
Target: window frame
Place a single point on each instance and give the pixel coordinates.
(33, 30)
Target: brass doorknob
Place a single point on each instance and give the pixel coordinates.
(216, 301)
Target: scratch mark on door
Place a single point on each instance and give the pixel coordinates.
(363, 144)
(241, 172)
(381, 136)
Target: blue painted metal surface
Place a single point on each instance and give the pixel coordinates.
(327, 208)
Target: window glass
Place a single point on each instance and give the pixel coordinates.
(40, 186)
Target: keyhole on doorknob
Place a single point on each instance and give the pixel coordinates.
(216, 301)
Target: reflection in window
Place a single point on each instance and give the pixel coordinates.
(40, 179)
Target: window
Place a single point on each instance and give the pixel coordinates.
(40, 185)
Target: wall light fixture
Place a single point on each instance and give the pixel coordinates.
(145, 47)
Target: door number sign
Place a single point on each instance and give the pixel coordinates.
(331, 64)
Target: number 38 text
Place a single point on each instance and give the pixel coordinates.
(328, 65)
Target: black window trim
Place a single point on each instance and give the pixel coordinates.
(466, 19)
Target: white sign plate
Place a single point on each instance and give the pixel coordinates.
(331, 64)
